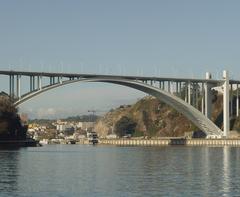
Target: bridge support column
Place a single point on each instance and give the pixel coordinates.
(231, 101)
(39, 82)
(196, 95)
(185, 92)
(189, 93)
(202, 98)
(225, 104)
(11, 86)
(237, 103)
(52, 80)
(32, 83)
(171, 87)
(208, 97)
(177, 91)
(18, 86)
(180, 89)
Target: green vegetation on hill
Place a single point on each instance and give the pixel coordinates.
(125, 126)
(10, 124)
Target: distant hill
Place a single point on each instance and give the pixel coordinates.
(82, 118)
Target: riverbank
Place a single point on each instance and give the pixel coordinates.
(19, 143)
(156, 142)
(171, 141)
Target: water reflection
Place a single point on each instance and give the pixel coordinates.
(226, 171)
(120, 171)
(9, 159)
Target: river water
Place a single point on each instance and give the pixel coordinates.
(82, 170)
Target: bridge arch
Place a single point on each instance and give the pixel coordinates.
(191, 113)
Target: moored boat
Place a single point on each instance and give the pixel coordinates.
(92, 137)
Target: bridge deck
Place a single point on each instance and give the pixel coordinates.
(141, 78)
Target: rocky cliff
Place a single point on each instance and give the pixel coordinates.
(155, 118)
(152, 118)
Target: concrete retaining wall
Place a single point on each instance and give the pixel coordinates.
(165, 142)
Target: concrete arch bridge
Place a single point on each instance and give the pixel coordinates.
(183, 94)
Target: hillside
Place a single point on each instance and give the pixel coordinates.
(153, 118)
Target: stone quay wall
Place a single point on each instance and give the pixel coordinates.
(166, 142)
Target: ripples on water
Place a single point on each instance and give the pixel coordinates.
(76, 170)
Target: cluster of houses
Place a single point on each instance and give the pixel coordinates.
(61, 130)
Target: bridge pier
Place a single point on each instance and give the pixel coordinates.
(169, 87)
(31, 83)
(18, 86)
(186, 93)
(51, 81)
(177, 88)
(180, 90)
(202, 100)
(208, 97)
(195, 95)
(225, 103)
(160, 84)
(189, 93)
(237, 103)
(39, 82)
(11, 86)
(231, 101)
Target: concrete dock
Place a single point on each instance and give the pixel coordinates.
(166, 142)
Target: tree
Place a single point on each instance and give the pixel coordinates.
(10, 123)
(7, 106)
(124, 126)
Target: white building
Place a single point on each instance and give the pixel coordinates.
(63, 127)
(111, 136)
(85, 125)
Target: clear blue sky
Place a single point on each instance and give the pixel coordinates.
(150, 37)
